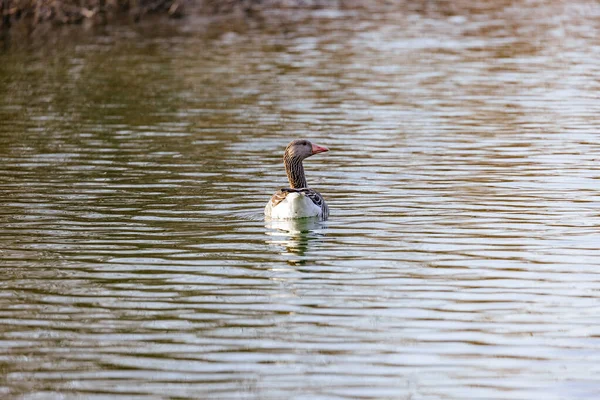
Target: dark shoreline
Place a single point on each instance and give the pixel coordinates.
(68, 12)
(34, 13)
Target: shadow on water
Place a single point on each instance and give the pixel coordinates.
(295, 237)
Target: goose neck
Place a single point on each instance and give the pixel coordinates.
(295, 172)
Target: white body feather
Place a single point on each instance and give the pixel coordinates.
(295, 205)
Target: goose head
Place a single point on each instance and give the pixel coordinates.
(301, 149)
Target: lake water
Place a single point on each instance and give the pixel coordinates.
(461, 258)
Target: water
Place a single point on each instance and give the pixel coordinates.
(460, 260)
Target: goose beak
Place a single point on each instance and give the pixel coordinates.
(316, 149)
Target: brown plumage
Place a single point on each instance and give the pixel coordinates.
(296, 205)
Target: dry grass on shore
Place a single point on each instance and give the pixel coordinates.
(61, 12)
(77, 11)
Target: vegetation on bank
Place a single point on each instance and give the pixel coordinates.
(77, 11)
(101, 11)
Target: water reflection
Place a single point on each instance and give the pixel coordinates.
(295, 237)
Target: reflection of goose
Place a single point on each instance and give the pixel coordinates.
(295, 235)
(297, 201)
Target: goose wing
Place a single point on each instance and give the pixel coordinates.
(278, 197)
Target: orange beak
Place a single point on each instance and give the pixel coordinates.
(319, 149)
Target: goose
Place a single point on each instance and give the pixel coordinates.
(297, 201)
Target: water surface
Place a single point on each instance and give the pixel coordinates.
(461, 257)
